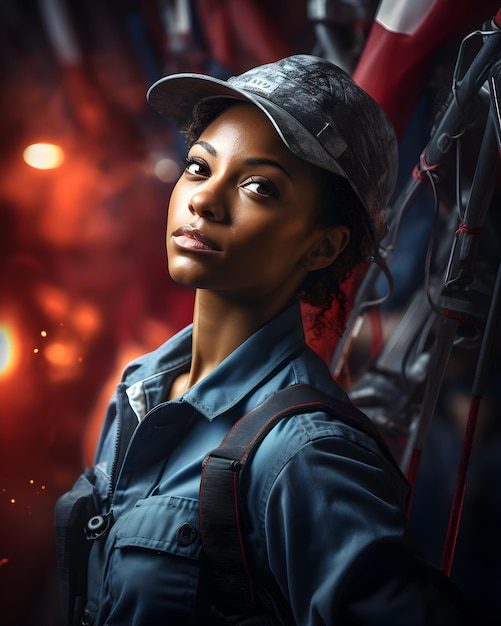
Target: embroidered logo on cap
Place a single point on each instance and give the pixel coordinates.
(261, 84)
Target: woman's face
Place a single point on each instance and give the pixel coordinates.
(242, 216)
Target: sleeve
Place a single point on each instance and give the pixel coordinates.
(339, 545)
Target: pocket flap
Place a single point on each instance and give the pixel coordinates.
(162, 523)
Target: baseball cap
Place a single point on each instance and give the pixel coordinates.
(318, 111)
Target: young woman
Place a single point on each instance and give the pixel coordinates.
(289, 168)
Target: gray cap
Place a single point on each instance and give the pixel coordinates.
(319, 112)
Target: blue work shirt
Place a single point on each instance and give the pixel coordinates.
(320, 493)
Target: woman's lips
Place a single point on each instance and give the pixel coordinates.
(192, 239)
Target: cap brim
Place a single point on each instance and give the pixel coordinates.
(174, 97)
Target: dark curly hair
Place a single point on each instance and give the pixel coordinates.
(339, 205)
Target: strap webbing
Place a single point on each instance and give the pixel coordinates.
(220, 527)
(72, 512)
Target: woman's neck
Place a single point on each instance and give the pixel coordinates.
(219, 327)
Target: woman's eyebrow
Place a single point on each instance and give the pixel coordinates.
(256, 161)
(206, 146)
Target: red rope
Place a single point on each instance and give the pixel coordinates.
(377, 338)
(457, 503)
(420, 169)
(418, 173)
(474, 232)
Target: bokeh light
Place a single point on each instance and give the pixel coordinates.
(7, 350)
(167, 170)
(43, 156)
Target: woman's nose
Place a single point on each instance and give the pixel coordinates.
(208, 202)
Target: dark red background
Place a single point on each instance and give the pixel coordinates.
(83, 281)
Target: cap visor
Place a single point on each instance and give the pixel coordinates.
(175, 97)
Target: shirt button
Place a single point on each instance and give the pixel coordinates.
(186, 534)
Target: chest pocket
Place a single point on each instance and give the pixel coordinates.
(155, 560)
(162, 523)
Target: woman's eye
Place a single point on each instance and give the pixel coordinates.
(196, 167)
(261, 187)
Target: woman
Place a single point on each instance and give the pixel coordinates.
(289, 169)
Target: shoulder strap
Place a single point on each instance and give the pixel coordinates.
(219, 506)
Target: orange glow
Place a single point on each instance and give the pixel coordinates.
(86, 319)
(61, 354)
(43, 156)
(8, 352)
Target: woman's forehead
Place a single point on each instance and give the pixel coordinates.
(246, 128)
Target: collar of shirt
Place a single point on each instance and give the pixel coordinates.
(243, 371)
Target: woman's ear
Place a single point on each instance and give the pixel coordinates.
(326, 248)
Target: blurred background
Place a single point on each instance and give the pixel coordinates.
(85, 176)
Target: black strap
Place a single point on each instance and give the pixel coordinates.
(72, 512)
(220, 527)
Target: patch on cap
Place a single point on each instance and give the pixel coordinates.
(331, 136)
(260, 85)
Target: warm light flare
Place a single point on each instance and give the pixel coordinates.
(8, 351)
(61, 354)
(43, 156)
